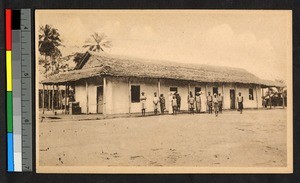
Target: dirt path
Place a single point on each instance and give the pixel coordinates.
(255, 138)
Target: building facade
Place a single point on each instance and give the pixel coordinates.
(107, 84)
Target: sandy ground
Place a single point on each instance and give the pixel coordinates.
(255, 138)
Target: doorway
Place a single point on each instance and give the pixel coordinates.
(197, 89)
(173, 89)
(232, 99)
(215, 90)
(100, 99)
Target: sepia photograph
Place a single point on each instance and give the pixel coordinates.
(163, 91)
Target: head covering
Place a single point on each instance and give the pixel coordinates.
(215, 94)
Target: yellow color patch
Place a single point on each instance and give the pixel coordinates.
(8, 71)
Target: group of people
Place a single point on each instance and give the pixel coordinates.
(194, 103)
(215, 101)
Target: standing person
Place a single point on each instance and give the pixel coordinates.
(220, 100)
(209, 103)
(191, 101)
(216, 104)
(240, 101)
(198, 102)
(155, 102)
(203, 101)
(143, 102)
(170, 103)
(174, 104)
(162, 102)
(178, 98)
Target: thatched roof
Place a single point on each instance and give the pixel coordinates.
(94, 64)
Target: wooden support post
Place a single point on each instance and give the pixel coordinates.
(61, 100)
(189, 89)
(223, 95)
(43, 99)
(65, 99)
(104, 96)
(48, 97)
(283, 102)
(87, 97)
(235, 95)
(256, 93)
(52, 101)
(206, 89)
(129, 96)
(270, 100)
(158, 87)
(57, 97)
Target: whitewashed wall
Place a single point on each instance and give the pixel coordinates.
(80, 94)
(118, 93)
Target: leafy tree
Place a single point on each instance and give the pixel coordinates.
(97, 42)
(49, 42)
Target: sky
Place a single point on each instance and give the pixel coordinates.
(258, 41)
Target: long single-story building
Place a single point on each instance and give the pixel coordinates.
(110, 84)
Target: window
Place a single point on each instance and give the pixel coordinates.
(215, 90)
(197, 89)
(135, 93)
(173, 89)
(251, 97)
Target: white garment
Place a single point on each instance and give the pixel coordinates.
(203, 103)
(170, 104)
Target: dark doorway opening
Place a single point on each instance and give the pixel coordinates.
(232, 99)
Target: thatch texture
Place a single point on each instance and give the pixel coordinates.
(108, 65)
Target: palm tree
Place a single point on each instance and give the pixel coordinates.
(49, 41)
(98, 42)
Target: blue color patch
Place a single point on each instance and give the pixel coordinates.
(10, 152)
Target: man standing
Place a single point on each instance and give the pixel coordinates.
(191, 101)
(198, 102)
(162, 102)
(155, 102)
(143, 102)
(220, 100)
(216, 104)
(178, 99)
(240, 101)
(209, 103)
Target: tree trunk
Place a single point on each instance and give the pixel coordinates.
(46, 67)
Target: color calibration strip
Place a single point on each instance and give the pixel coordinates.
(18, 95)
(9, 102)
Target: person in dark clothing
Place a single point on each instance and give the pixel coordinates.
(162, 102)
(178, 99)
